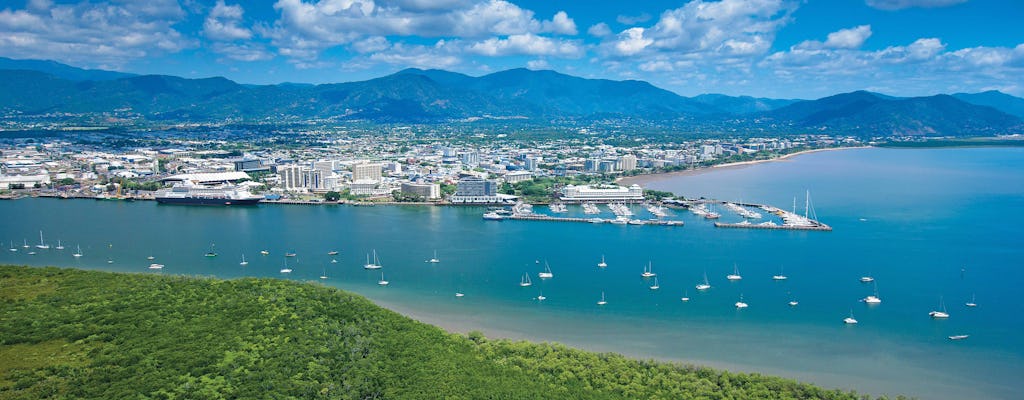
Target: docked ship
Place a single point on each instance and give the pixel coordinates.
(215, 195)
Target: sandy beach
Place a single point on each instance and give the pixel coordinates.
(643, 180)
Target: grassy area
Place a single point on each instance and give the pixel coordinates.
(87, 334)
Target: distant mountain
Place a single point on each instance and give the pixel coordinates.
(741, 104)
(415, 95)
(997, 100)
(872, 113)
(61, 70)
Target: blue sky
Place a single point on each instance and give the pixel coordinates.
(764, 48)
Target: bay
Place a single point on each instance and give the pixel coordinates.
(925, 223)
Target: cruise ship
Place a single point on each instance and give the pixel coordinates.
(218, 195)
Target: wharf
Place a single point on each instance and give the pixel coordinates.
(816, 227)
(536, 217)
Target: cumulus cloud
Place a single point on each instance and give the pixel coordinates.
(632, 41)
(848, 38)
(539, 64)
(561, 24)
(600, 29)
(417, 56)
(891, 5)
(527, 44)
(92, 34)
(222, 23)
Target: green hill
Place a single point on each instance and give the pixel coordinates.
(84, 334)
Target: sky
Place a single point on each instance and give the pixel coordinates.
(763, 48)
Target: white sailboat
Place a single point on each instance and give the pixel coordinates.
(41, 244)
(434, 260)
(59, 245)
(286, 270)
(460, 294)
(382, 281)
(12, 247)
(939, 314)
(547, 272)
(971, 303)
(525, 281)
(850, 320)
(649, 271)
(334, 261)
(655, 286)
(705, 285)
(211, 253)
(686, 296)
(25, 243)
(150, 258)
(873, 299)
(780, 276)
(602, 301)
(602, 264)
(324, 275)
(735, 275)
(740, 304)
(243, 263)
(375, 264)
(78, 252)
(156, 266)
(541, 296)
(867, 278)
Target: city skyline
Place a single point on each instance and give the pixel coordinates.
(764, 48)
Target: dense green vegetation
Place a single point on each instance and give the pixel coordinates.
(85, 334)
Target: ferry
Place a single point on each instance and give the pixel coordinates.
(217, 195)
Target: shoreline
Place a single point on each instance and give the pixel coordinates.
(648, 178)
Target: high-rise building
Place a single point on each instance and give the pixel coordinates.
(627, 162)
(293, 176)
(473, 186)
(367, 172)
(531, 163)
(426, 190)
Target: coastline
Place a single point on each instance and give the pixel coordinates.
(648, 178)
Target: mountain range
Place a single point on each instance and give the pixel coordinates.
(33, 87)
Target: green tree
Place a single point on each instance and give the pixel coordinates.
(332, 196)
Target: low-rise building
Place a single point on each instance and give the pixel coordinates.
(429, 191)
(602, 193)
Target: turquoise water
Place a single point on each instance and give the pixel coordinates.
(924, 223)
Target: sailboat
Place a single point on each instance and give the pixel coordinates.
(780, 276)
(648, 271)
(211, 253)
(873, 299)
(382, 282)
(602, 302)
(939, 314)
(12, 247)
(264, 252)
(971, 303)
(459, 294)
(286, 270)
(602, 264)
(25, 241)
(156, 266)
(867, 278)
(547, 272)
(78, 253)
(243, 263)
(434, 260)
(525, 281)
(150, 258)
(741, 304)
(324, 276)
(59, 246)
(686, 296)
(375, 264)
(850, 320)
(332, 253)
(705, 285)
(655, 286)
(290, 254)
(541, 296)
(735, 275)
(334, 261)
(42, 245)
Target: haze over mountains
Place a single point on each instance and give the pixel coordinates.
(32, 87)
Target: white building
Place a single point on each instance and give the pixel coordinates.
(27, 181)
(430, 191)
(293, 177)
(370, 171)
(602, 193)
(518, 176)
(627, 162)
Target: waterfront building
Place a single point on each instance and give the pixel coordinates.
(475, 190)
(606, 166)
(602, 193)
(293, 177)
(23, 181)
(627, 162)
(367, 171)
(429, 191)
(518, 176)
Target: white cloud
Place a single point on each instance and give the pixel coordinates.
(527, 44)
(371, 45)
(902, 4)
(242, 51)
(921, 50)
(656, 66)
(539, 64)
(92, 34)
(632, 41)
(417, 56)
(561, 24)
(848, 38)
(599, 29)
(222, 23)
